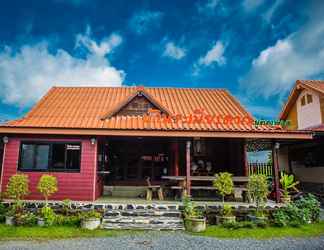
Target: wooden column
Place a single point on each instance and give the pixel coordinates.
(175, 163)
(275, 164)
(245, 159)
(188, 180)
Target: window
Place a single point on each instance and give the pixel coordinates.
(309, 98)
(303, 102)
(50, 156)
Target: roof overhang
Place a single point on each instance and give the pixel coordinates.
(294, 135)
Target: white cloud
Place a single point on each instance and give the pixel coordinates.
(145, 20)
(173, 51)
(298, 56)
(208, 6)
(251, 5)
(27, 73)
(215, 54)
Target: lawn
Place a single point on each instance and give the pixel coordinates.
(311, 230)
(57, 232)
(64, 232)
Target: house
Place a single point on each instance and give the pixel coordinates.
(305, 109)
(96, 137)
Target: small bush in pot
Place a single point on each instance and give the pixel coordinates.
(287, 184)
(258, 192)
(17, 189)
(194, 220)
(90, 219)
(224, 184)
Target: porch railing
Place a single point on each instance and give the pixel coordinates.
(260, 168)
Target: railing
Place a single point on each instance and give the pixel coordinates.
(260, 168)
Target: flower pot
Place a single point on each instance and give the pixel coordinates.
(41, 222)
(286, 199)
(10, 220)
(257, 219)
(90, 223)
(225, 219)
(195, 225)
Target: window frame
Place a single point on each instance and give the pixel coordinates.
(309, 98)
(303, 101)
(50, 155)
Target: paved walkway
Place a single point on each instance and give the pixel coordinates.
(167, 241)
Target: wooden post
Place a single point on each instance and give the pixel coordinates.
(275, 161)
(188, 181)
(245, 159)
(175, 152)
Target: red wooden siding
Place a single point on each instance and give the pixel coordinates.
(74, 186)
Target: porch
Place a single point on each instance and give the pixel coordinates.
(178, 165)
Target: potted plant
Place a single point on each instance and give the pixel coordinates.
(194, 220)
(287, 183)
(47, 186)
(17, 189)
(258, 192)
(90, 219)
(224, 184)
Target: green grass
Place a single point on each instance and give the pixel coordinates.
(57, 232)
(264, 233)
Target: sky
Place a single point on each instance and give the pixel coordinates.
(256, 49)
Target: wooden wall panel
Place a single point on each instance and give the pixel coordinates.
(74, 186)
(292, 116)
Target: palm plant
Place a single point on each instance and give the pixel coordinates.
(288, 183)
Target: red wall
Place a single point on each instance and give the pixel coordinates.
(74, 186)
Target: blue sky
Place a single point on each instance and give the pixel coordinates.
(254, 48)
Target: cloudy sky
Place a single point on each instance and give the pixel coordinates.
(255, 48)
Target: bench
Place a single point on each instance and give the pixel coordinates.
(153, 188)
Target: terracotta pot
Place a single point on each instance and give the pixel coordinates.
(195, 225)
(225, 219)
(90, 223)
(10, 220)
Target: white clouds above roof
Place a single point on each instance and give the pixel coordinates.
(144, 20)
(298, 56)
(27, 73)
(174, 51)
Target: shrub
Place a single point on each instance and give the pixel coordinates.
(258, 191)
(72, 220)
(91, 214)
(66, 206)
(47, 185)
(17, 187)
(25, 219)
(224, 184)
(303, 211)
(227, 211)
(48, 215)
(2, 212)
(189, 208)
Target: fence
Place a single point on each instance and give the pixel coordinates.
(260, 168)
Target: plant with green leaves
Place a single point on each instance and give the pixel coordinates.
(224, 184)
(227, 211)
(258, 192)
(288, 183)
(17, 187)
(47, 185)
(189, 208)
(48, 214)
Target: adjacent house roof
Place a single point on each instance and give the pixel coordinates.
(95, 110)
(300, 85)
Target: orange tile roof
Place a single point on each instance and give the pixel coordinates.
(85, 107)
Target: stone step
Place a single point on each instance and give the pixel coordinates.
(157, 227)
(143, 220)
(117, 206)
(144, 213)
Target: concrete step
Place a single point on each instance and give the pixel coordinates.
(154, 227)
(142, 220)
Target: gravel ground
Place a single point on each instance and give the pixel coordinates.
(162, 240)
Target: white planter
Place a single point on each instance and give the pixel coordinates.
(91, 224)
(10, 220)
(40, 222)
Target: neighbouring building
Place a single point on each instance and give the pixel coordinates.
(96, 137)
(305, 109)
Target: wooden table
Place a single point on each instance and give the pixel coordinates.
(181, 183)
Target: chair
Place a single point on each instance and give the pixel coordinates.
(153, 188)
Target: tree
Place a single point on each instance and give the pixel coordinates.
(224, 184)
(47, 185)
(17, 187)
